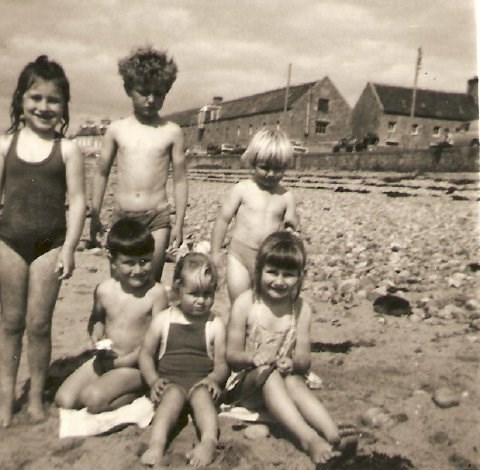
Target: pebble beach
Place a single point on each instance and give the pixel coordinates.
(394, 283)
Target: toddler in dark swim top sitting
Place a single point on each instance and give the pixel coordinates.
(183, 360)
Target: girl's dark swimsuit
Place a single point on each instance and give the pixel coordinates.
(33, 221)
(185, 361)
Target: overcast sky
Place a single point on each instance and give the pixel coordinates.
(234, 48)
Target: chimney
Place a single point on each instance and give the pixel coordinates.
(217, 100)
(472, 89)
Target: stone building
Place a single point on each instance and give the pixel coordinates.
(385, 110)
(316, 115)
(90, 135)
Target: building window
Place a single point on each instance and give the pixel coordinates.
(250, 129)
(322, 105)
(392, 126)
(238, 131)
(278, 125)
(321, 127)
(415, 128)
(436, 131)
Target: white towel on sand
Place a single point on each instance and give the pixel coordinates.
(76, 423)
(244, 414)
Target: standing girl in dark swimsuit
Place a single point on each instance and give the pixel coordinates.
(39, 169)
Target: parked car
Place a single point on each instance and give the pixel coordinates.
(352, 144)
(466, 135)
(213, 149)
(196, 151)
(227, 148)
(347, 144)
(298, 148)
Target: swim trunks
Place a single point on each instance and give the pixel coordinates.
(185, 357)
(154, 219)
(33, 221)
(244, 253)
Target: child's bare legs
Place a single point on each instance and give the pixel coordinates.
(166, 417)
(162, 239)
(311, 408)
(115, 388)
(279, 402)
(68, 395)
(86, 388)
(238, 278)
(206, 420)
(43, 287)
(13, 297)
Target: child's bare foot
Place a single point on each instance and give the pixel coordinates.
(203, 453)
(36, 412)
(319, 450)
(151, 457)
(6, 414)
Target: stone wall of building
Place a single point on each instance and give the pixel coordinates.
(461, 159)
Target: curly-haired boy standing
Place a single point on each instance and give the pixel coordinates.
(144, 145)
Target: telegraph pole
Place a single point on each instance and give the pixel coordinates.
(287, 91)
(417, 69)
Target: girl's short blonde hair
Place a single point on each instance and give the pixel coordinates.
(269, 147)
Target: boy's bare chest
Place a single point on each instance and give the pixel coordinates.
(264, 203)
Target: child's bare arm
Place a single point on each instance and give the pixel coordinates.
(220, 370)
(180, 185)
(302, 353)
(4, 145)
(149, 350)
(100, 179)
(237, 357)
(75, 177)
(225, 215)
(290, 219)
(96, 322)
(160, 301)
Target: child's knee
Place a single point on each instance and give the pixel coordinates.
(64, 399)
(93, 400)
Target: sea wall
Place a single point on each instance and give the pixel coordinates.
(454, 159)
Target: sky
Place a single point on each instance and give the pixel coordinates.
(235, 48)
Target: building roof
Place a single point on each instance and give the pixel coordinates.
(260, 103)
(428, 103)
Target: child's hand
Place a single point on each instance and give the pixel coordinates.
(96, 227)
(285, 365)
(177, 237)
(263, 357)
(157, 389)
(65, 264)
(211, 386)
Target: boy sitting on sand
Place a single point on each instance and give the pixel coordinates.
(122, 311)
(144, 145)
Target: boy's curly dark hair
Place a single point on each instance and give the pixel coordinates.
(147, 66)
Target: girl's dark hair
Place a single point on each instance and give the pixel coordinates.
(198, 264)
(131, 238)
(45, 69)
(282, 250)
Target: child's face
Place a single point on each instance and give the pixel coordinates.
(132, 272)
(195, 300)
(267, 176)
(279, 284)
(147, 100)
(43, 105)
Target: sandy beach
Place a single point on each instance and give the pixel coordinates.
(406, 376)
